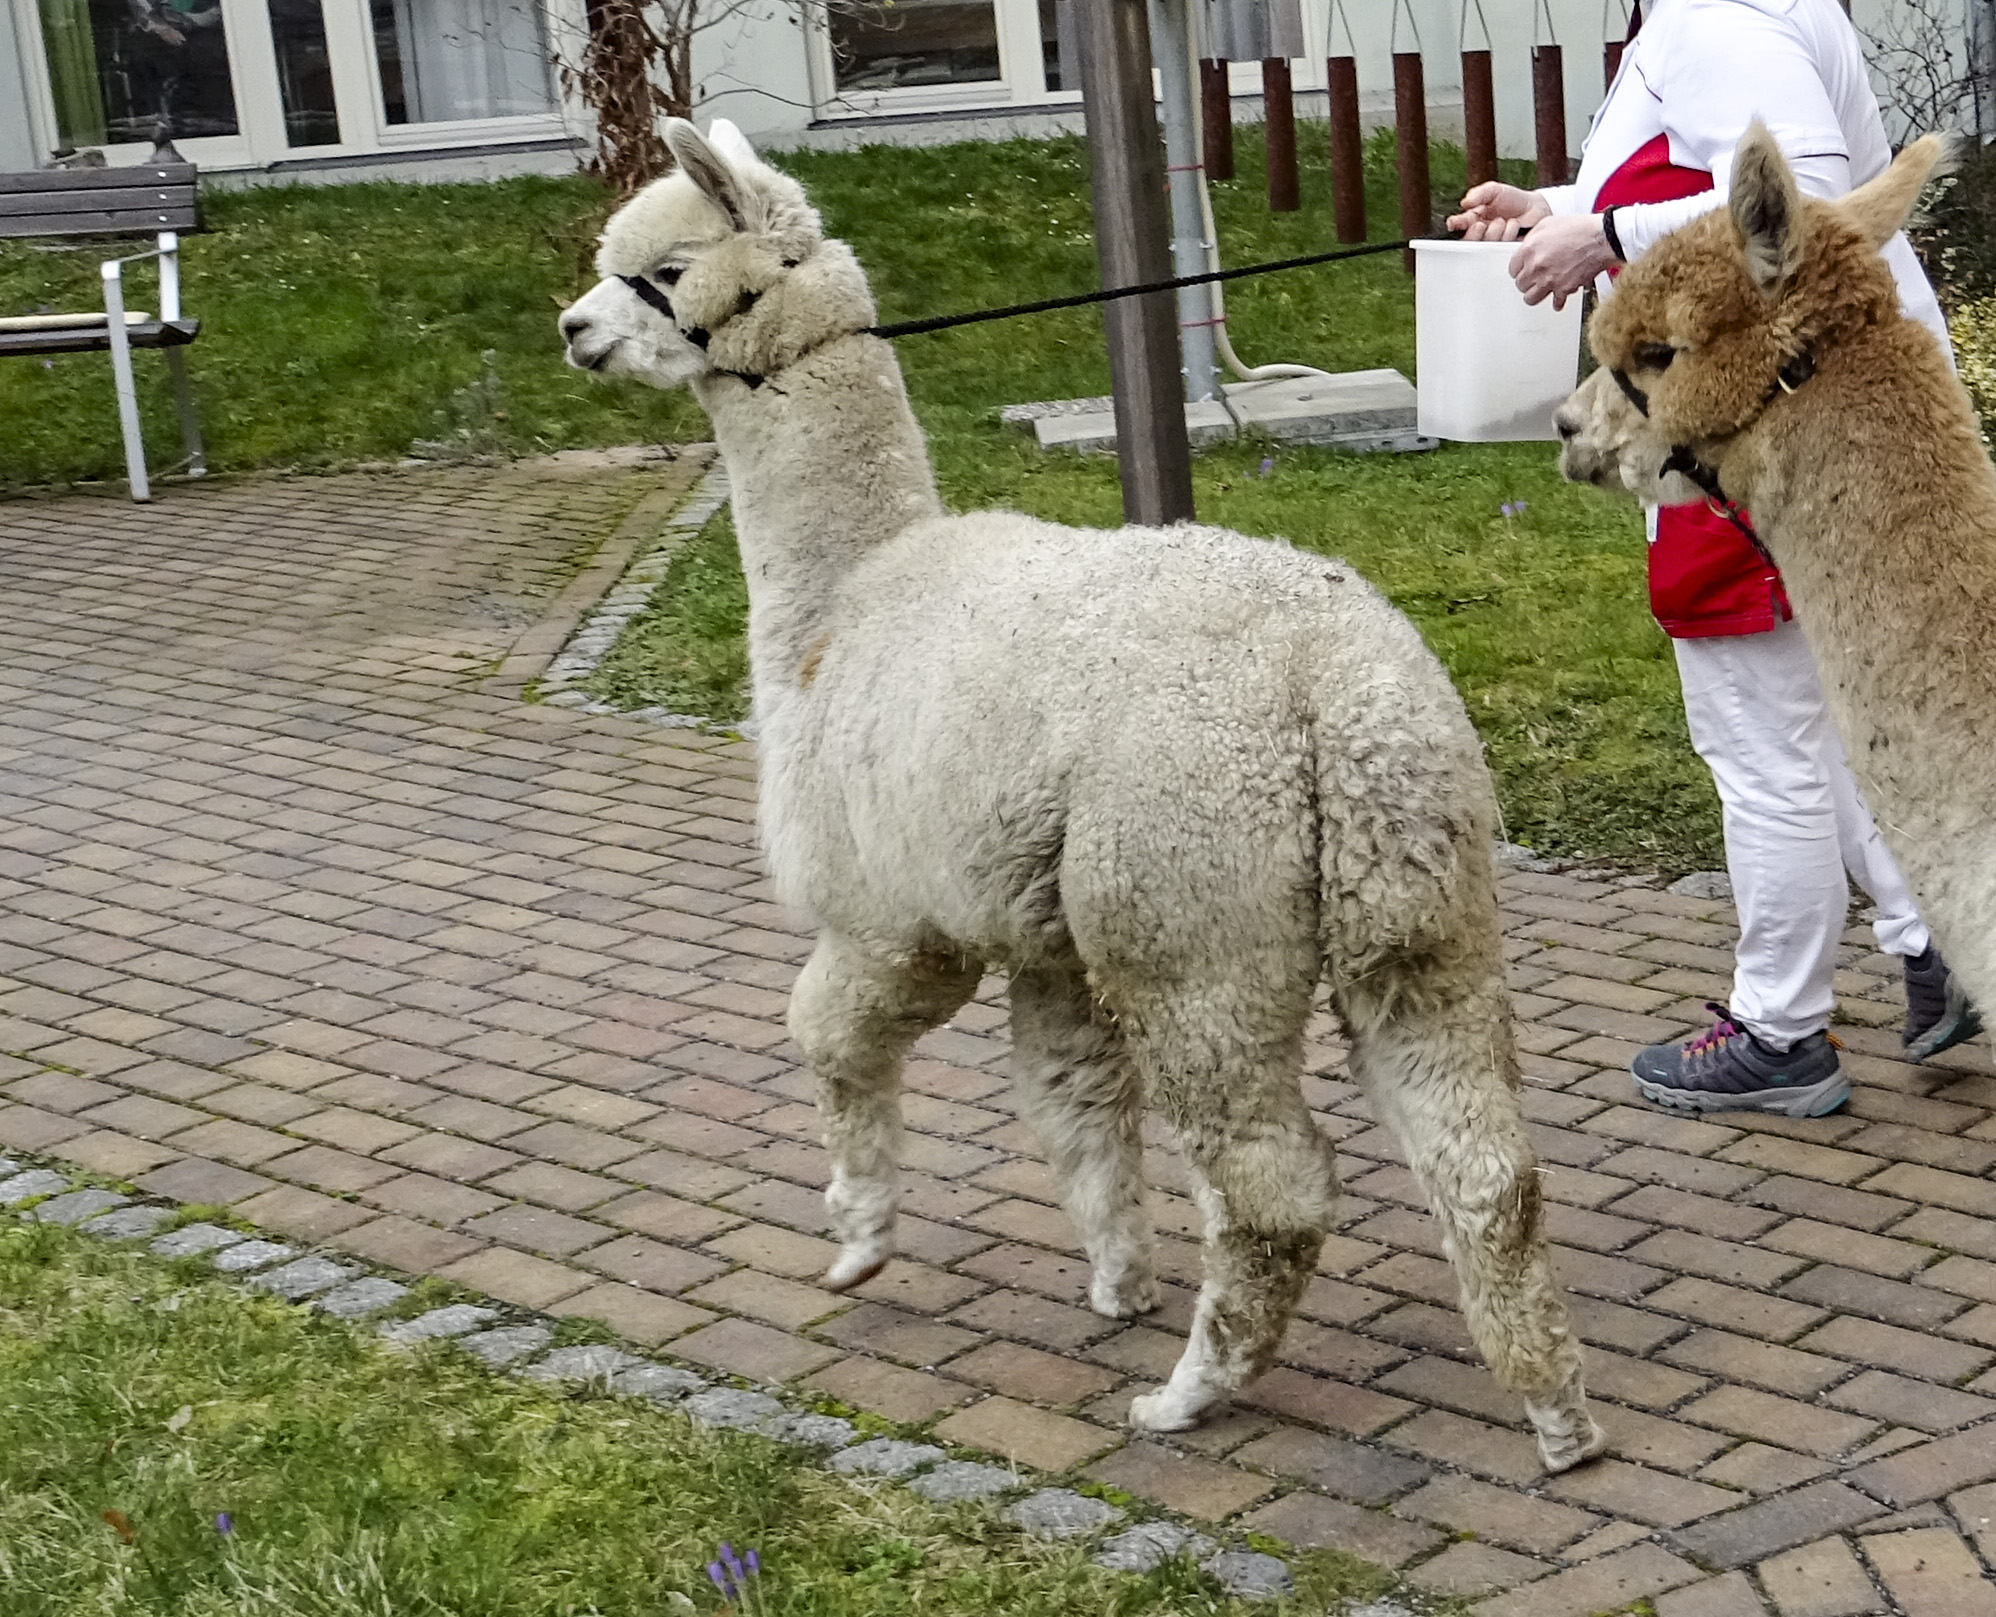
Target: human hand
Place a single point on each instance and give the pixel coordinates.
(1561, 256)
(1494, 211)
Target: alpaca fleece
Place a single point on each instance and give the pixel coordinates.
(1168, 781)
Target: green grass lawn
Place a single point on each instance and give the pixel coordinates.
(346, 323)
(360, 1481)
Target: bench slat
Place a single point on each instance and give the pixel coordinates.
(97, 179)
(126, 199)
(154, 334)
(124, 222)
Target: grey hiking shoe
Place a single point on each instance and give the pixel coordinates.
(1726, 1069)
(1938, 1015)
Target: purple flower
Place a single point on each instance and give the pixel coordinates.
(754, 1566)
(717, 1577)
(1267, 464)
(224, 1525)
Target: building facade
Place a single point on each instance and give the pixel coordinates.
(445, 89)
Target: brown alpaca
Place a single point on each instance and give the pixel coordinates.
(1760, 351)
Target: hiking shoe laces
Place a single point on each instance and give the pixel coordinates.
(1938, 1014)
(1726, 1069)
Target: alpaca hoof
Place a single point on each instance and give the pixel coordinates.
(854, 1268)
(1166, 1410)
(1567, 1433)
(1124, 1298)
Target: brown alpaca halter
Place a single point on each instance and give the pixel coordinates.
(1793, 373)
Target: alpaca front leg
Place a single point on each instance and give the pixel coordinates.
(1083, 1098)
(1439, 1077)
(854, 1013)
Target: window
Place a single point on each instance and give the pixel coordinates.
(304, 73)
(124, 70)
(898, 44)
(443, 61)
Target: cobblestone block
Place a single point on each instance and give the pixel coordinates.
(454, 1320)
(1250, 1575)
(1930, 1573)
(78, 1205)
(590, 1363)
(1728, 1596)
(127, 1223)
(29, 1183)
(1642, 1571)
(190, 1240)
(506, 1345)
(810, 1431)
(955, 1481)
(248, 1255)
(661, 1383)
(1353, 1471)
(1148, 1545)
(885, 1457)
(1059, 1513)
(362, 1297)
(1466, 1570)
(302, 1278)
(734, 1409)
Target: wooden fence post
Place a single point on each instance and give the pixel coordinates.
(1133, 245)
(1279, 123)
(1216, 109)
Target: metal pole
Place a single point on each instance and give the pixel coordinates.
(1170, 31)
(1133, 245)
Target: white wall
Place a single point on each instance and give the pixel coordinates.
(753, 70)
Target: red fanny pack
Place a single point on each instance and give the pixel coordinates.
(1705, 576)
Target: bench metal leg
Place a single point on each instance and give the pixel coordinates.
(190, 423)
(121, 375)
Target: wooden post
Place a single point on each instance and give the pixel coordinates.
(1479, 117)
(1611, 63)
(1347, 148)
(1216, 108)
(1280, 124)
(1410, 130)
(1549, 112)
(1133, 245)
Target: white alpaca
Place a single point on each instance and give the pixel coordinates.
(1164, 779)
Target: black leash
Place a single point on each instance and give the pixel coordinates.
(944, 322)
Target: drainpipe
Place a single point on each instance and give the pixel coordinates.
(1171, 50)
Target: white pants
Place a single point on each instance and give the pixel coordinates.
(1794, 825)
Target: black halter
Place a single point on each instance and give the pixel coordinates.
(650, 292)
(1794, 371)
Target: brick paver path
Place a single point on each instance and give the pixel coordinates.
(303, 910)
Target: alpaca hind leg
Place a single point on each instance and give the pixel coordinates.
(1438, 1066)
(1265, 1180)
(1082, 1097)
(854, 1013)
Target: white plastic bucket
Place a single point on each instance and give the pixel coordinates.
(1492, 368)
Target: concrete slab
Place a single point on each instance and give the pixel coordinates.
(1357, 410)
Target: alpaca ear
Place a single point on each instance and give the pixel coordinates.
(732, 144)
(1880, 208)
(1766, 209)
(707, 169)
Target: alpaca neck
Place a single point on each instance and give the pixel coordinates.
(826, 463)
(1888, 553)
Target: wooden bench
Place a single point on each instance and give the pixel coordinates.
(158, 198)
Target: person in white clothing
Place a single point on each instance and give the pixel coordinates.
(1695, 74)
